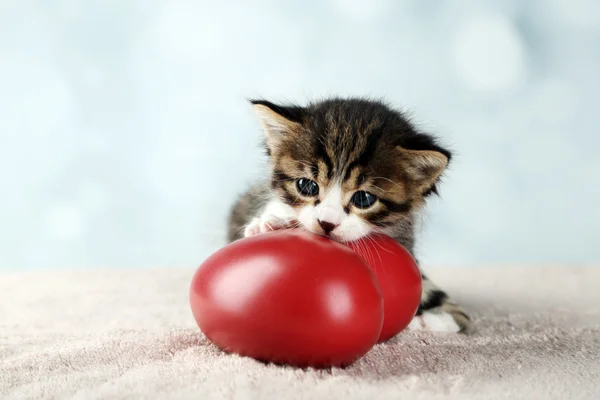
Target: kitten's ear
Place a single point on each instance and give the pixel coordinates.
(278, 121)
(424, 167)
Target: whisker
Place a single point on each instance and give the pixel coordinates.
(377, 187)
(375, 248)
(385, 179)
(363, 249)
(378, 244)
(305, 163)
(380, 259)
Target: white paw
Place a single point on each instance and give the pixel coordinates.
(434, 322)
(253, 228)
(276, 215)
(266, 223)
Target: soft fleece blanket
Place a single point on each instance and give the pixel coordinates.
(129, 334)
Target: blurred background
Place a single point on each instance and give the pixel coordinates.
(125, 135)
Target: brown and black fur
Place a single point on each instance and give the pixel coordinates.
(368, 146)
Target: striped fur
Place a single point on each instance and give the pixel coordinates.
(345, 146)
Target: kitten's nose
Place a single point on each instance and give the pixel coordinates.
(327, 226)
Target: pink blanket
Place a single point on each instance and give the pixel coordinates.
(116, 334)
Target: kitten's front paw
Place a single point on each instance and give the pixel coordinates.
(253, 228)
(267, 223)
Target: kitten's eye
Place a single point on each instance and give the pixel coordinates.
(306, 187)
(363, 199)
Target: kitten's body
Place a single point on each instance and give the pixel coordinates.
(347, 168)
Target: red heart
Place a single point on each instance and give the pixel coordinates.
(289, 297)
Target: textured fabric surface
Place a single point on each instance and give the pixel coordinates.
(129, 334)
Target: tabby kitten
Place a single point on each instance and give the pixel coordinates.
(346, 168)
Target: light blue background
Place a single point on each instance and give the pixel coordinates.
(125, 135)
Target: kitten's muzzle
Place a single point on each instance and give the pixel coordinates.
(327, 226)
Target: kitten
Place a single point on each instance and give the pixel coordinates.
(347, 168)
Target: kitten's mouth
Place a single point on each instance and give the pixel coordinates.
(342, 239)
(332, 236)
(317, 230)
(336, 238)
(321, 232)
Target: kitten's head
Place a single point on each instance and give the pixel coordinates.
(349, 167)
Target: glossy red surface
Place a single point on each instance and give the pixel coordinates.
(399, 278)
(288, 297)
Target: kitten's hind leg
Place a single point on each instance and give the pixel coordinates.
(437, 312)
